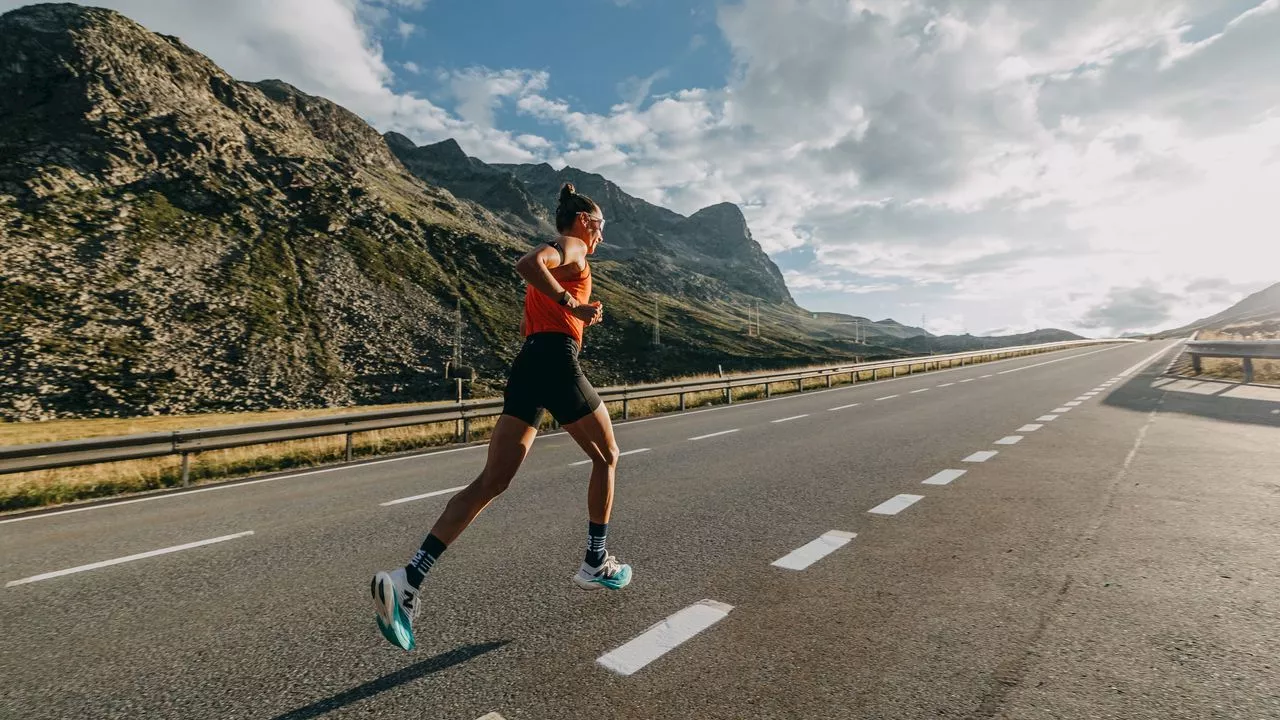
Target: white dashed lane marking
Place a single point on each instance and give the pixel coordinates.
(985, 377)
(968, 380)
(981, 456)
(1046, 418)
(1030, 428)
(806, 555)
(887, 397)
(1073, 403)
(1009, 440)
(715, 434)
(1062, 410)
(946, 385)
(424, 496)
(664, 636)
(844, 407)
(945, 477)
(129, 558)
(629, 452)
(896, 504)
(913, 392)
(788, 419)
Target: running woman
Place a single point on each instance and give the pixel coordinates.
(545, 376)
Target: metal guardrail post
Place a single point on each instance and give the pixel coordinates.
(1248, 370)
(682, 401)
(186, 469)
(800, 384)
(1195, 364)
(768, 390)
(466, 429)
(828, 381)
(626, 409)
(349, 448)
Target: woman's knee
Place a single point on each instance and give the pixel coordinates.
(495, 481)
(608, 455)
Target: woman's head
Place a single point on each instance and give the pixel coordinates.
(579, 215)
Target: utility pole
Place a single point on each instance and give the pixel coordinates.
(657, 338)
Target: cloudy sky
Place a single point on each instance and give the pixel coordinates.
(1096, 165)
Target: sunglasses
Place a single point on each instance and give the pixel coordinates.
(599, 220)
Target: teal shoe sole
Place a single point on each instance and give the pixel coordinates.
(617, 582)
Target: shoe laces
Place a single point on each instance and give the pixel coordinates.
(609, 567)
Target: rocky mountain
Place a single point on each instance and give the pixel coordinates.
(176, 240)
(1259, 309)
(707, 255)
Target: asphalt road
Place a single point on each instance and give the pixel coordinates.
(1117, 561)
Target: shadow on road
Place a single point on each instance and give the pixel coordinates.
(386, 682)
(1228, 402)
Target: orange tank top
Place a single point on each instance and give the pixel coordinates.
(544, 314)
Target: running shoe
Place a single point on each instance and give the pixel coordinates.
(395, 602)
(611, 574)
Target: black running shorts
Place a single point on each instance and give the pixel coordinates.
(546, 376)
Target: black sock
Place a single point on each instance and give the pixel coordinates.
(595, 543)
(426, 556)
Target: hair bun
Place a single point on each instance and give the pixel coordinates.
(567, 191)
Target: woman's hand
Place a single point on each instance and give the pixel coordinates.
(590, 314)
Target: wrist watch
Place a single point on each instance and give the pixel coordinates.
(564, 298)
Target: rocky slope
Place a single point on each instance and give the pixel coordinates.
(1257, 312)
(176, 240)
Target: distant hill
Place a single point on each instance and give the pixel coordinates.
(1260, 308)
(964, 343)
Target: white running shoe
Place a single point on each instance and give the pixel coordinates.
(395, 602)
(611, 574)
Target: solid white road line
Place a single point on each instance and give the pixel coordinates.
(1009, 440)
(787, 419)
(1050, 362)
(945, 477)
(629, 452)
(913, 392)
(664, 636)
(806, 555)
(130, 558)
(1146, 362)
(887, 397)
(1046, 418)
(447, 491)
(1030, 428)
(715, 434)
(982, 456)
(896, 504)
(844, 407)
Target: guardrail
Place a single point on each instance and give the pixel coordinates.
(1246, 350)
(46, 456)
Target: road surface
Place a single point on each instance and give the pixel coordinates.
(1057, 536)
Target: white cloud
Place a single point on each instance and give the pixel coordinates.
(1020, 160)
